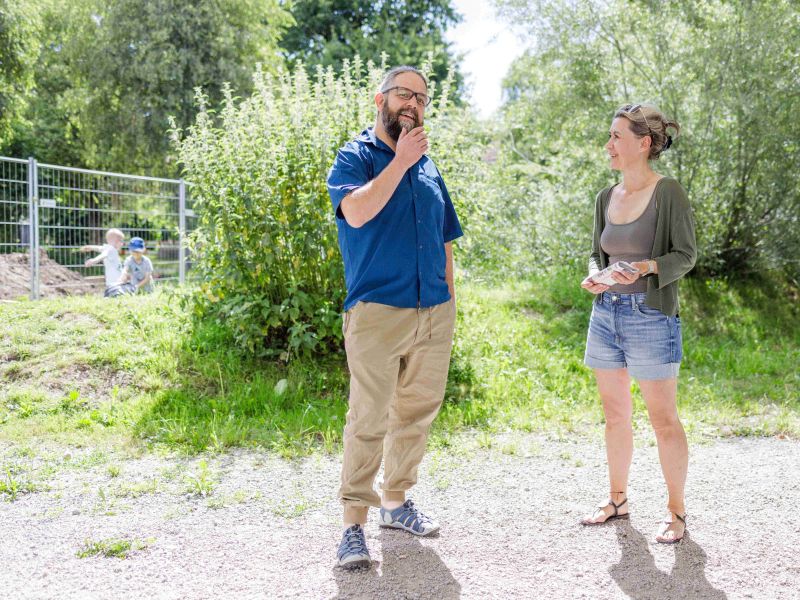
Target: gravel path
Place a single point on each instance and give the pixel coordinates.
(269, 527)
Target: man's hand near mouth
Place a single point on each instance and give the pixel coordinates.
(411, 145)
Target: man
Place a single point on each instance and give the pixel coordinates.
(396, 223)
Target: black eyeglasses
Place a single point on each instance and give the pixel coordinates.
(406, 94)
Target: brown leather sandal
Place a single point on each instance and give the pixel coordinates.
(616, 515)
(682, 519)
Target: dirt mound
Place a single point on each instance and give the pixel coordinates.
(55, 279)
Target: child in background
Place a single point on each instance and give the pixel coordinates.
(138, 269)
(109, 256)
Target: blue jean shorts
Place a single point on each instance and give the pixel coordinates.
(625, 333)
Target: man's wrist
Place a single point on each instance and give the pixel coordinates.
(398, 161)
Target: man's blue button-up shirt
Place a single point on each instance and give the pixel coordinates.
(397, 258)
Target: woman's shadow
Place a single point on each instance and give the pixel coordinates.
(638, 577)
(408, 570)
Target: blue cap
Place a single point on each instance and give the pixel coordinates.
(136, 245)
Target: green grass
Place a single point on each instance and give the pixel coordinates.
(523, 347)
(238, 497)
(111, 548)
(140, 374)
(201, 482)
(136, 488)
(293, 504)
(133, 373)
(14, 483)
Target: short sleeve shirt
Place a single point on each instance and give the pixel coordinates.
(139, 271)
(112, 264)
(397, 258)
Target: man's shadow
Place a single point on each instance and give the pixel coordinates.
(638, 577)
(408, 570)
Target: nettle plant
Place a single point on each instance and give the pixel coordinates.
(265, 248)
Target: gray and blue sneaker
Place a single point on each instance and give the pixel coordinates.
(353, 553)
(408, 518)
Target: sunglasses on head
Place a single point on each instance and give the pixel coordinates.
(638, 107)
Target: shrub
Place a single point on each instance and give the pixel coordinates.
(265, 248)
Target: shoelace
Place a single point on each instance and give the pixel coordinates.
(413, 514)
(353, 541)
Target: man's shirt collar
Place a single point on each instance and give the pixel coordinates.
(370, 137)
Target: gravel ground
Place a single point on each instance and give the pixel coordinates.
(269, 527)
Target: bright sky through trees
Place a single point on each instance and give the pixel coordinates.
(488, 47)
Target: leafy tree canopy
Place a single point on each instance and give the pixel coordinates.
(326, 32)
(112, 72)
(726, 70)
(19, 28)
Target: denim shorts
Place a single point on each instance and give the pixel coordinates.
(626, 333)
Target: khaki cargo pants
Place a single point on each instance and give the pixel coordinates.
(398, 360)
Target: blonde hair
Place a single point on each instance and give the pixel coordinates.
(647, 119)
(117, 233)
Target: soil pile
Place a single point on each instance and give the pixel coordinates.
(55, 279)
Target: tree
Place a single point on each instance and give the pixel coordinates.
(19, 26)
(112, 72)
(726, 70)
(49, 127)
(326, 32)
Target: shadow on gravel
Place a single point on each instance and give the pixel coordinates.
(638, 577)
(408, 570)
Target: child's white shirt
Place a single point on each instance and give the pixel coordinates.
(112, 264)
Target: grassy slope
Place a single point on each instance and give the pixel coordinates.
(89, 371)
(739, 375)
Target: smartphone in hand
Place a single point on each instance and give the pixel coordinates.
(627, 267)
(605, 276)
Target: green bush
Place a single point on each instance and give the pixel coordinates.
(265, 248)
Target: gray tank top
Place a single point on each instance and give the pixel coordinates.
(630, 242)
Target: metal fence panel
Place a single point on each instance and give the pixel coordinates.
(15, 229)
(49, 212)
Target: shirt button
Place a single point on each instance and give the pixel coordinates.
(420, 246)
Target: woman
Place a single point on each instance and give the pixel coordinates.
(635, 330)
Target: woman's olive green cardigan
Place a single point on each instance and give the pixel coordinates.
(674, 247)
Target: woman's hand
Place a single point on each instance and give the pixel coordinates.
(595, 288)
(626, 278)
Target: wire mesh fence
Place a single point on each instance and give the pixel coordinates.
(53, 218)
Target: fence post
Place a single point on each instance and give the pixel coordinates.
(33, 224)
(181, 231)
